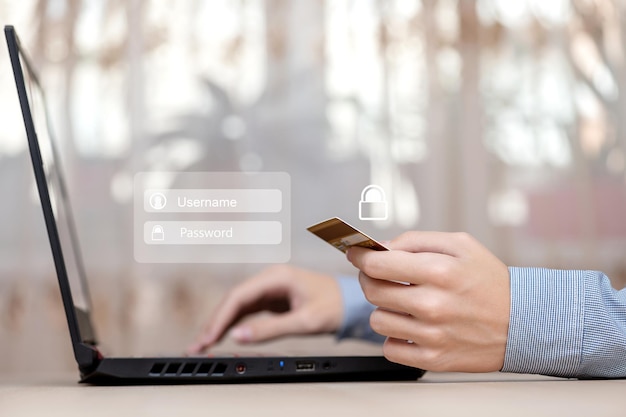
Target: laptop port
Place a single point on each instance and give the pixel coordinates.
(240, 368)
(305, 366)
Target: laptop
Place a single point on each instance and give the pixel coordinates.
(94, 366)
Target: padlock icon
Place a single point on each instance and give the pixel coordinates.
(157, 233)
(373, 204)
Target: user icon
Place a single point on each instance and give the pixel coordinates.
(158, 201)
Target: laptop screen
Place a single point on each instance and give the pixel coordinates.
(53, 192)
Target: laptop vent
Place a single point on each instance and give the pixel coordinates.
(220, 369)
(172, 368)
(188, 369)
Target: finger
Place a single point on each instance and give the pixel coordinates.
(221, 318)
(253, 290)
(405, 327)
(426, 303)
(401, 266)
(423, 357)
(392, 324)
(267, 328)
(451, 244)
(404, 352)
(389, 295)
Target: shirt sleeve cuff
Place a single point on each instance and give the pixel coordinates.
(566, 323)
(357, 312)
(546, 322)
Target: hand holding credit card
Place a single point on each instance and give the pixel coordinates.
(342, 235)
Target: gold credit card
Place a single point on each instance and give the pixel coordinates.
(342, 236)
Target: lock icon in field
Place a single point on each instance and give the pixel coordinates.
(373, 204)
(157, 233)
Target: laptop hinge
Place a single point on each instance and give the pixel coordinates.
(87, 356)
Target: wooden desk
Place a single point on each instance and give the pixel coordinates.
(434, 395)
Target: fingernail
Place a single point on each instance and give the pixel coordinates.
(195, 348)
(241, 334)
(200, 345)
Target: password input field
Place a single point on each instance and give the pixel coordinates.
(212, 233)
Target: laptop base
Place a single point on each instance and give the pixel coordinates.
(175, 370)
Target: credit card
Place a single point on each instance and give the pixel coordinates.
(342, 236)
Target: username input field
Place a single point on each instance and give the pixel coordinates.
(213, 201)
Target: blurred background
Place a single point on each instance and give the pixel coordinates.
(503, 119)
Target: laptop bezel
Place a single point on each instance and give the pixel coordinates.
(74, 316)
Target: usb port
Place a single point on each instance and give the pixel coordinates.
(305, 366)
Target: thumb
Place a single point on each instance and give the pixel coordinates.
(266, 328)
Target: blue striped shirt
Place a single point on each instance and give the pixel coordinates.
(563, 323)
